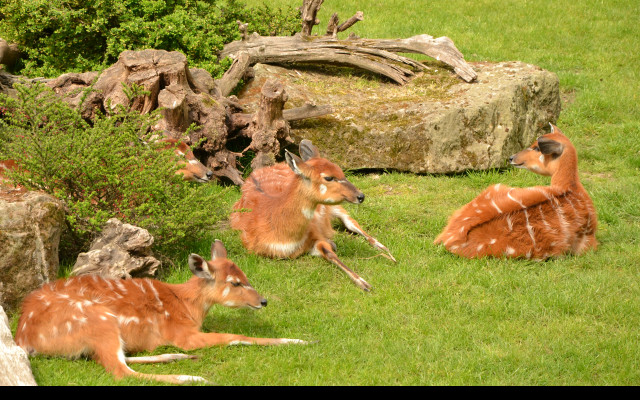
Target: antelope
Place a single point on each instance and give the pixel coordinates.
(103, 318)
(534, 223)
(193, 170)
(286, 210)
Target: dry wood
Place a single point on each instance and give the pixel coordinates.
(375, 55)
(308, 11)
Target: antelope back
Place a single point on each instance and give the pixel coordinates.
(536, 222)
(61, 317)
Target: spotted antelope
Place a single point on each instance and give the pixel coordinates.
(286, 210)
(191, 168)
(104, 318)
(536, 222)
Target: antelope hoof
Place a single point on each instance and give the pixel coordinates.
(362, 284)
(293, 341)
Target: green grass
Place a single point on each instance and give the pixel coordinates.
(434, 318)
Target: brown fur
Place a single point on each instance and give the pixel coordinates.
(103, 318)
(536, 222)
(288, 209)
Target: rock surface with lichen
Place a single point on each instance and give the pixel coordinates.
(436, 123)
(30, 227)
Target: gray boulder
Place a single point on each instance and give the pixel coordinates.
(30, 228)
(121, 251)
(436, 123)
(15, 369)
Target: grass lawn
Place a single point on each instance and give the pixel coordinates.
(434, 318)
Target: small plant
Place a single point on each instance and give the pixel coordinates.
(103, 169)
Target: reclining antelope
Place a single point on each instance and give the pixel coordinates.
(286, 210)
(536, 222)
(191, 168)
(103, 318)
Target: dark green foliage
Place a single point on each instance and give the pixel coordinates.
(104, 169)
(60, 36)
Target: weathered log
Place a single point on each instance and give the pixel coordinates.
(307, 111)
(9, 53)
(375, 55)
(233, 75)
(322, 50)
(308, 11)
(268, 128)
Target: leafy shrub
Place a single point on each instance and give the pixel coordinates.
(60, 36)
(106, 169)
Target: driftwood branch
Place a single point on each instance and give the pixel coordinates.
(375, 55)
(308, 11)
(306, 111)
(359, 16)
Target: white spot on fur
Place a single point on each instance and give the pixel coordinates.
(323, 189)
(308, 213)
(225, 292)
(510, 250)
(492, 241)
(127, 320)
(237, 342)
(229, 303)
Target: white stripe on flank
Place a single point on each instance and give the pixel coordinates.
(516, 200)
(529, 227)
(493, 203)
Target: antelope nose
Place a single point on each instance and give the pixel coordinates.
(511, 158)
(360, 197)
(263, 302)
(209, 174)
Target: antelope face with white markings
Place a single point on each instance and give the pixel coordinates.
(544, 156)
(225, 283)
(325, 181)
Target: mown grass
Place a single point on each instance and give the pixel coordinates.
(434, 318)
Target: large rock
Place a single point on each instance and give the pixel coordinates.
(121, 251)
(15, 369)
(30, 228)
(436, 123)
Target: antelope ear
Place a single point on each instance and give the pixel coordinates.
(294, 162)
(199, 267)
(308, 150)
(218, 250)
(549, 146)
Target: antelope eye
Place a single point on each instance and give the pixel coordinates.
(536, 148)
(236, 284)
(329, 178)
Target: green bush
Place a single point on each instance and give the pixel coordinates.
(59, 36)
(109, 168)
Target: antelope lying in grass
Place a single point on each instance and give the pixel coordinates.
(103, 318)
(291, 206)
(191, 168)
(536, 222)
